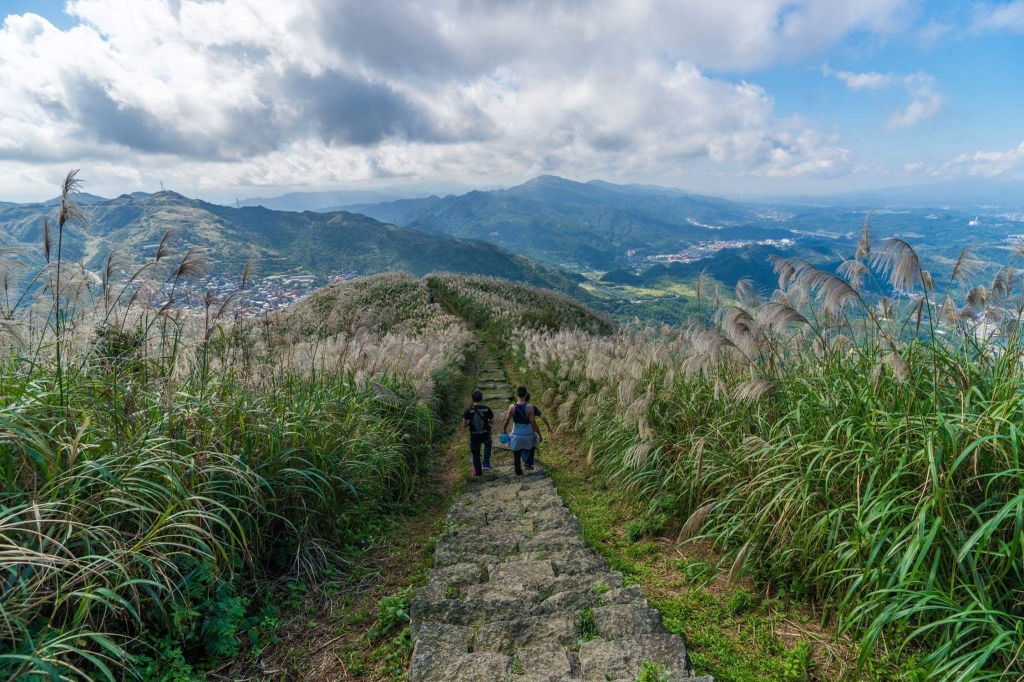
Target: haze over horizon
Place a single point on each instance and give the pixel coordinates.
(251, 98)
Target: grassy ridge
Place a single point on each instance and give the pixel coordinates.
(173, 462)
(853, 450)
(503, 308)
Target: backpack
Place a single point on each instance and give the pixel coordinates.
(477, 424)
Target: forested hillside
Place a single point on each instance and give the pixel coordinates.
(554, 221)
(282, 242)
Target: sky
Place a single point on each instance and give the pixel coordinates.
(242, 98)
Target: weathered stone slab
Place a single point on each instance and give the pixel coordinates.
(533, 573)
(457, 575)
(441, 666)
(545, 661)
(601, 660)
(523, 632)
(616, 621)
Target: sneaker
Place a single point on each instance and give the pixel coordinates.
(528, 467)
(472, 472)
(487, 467)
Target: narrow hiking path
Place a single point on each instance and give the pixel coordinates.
(515, 593)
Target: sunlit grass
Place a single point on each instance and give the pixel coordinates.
(853, 448)
(155, 463)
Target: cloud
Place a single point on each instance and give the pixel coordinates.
(262, 91)
(924, 103)
(1008, 163)
(1004, 17)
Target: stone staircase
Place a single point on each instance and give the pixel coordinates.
(517, 595)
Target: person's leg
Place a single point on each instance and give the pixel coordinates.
(517, 456)
(487, 454)
(531, 453)
(474, 447)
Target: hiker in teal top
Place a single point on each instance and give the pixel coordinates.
(478, 419)
(524, 429)
(531, 456)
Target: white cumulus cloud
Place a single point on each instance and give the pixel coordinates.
(315, 92)
(1007, 163)
(925, 102)
(1002, 17)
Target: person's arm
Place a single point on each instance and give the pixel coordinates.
(546, 422)
(508, 418)
(533, 423)
(490, 422)
(465, 419)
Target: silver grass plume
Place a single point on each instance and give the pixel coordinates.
(898, 260)
(192, 266)
(754, 443)
(778, 315)
(854, 272)
(976, 298)
(47, 239)
(163, 249)
(885, 308)
(864, 243)
(927, 282)
(740, 327)
(785, 268)
(69, 211)
(948, 313)
(744, 291)
(637, 455)
(737, 566)
(751, 391)
(966, 267)
(834, 294)
(385, 394)
(694, 522)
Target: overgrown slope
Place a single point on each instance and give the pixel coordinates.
(162, 465)
(858, 452)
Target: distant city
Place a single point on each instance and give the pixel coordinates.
(706, 249)
(261, 296)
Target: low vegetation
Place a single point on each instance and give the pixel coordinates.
(857, 450)
(155, 465)
(502, 308)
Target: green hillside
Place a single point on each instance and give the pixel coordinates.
(554, 221)
(318, 243)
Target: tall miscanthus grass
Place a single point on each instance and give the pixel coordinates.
(156, 464)
(843, 442)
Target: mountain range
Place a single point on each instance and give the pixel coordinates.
(581, 225)
(549, 232)
(281, 241)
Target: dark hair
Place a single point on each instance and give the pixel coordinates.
(527, 397)
(477, 396)
(522, 392)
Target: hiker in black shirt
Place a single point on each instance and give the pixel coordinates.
(478, 419)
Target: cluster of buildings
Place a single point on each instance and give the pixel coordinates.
(261, 296)
(709, 248)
